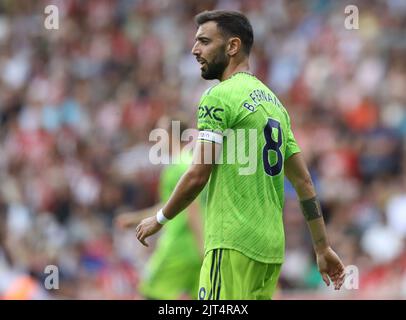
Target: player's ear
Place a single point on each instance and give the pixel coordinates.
(233, 46)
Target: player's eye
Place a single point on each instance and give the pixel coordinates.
(204, 41)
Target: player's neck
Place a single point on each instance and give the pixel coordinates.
(234, 68)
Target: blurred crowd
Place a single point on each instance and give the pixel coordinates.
(77, 105)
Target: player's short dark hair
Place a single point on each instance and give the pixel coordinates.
(231, 24)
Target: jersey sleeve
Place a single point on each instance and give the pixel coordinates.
(291, 145)
(212, 119)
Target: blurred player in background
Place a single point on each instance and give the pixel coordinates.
(244, 234)
(173, 269)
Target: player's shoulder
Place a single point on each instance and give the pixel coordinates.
(216, 91)
(225, 93)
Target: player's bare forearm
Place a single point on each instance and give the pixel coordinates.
(318, 232)
(312, 212)
(194, 180)
(186, 191)
(329, 264)
(298, 174)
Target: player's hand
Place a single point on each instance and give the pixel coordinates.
(146, 228)
(331, 267)
(127, 220)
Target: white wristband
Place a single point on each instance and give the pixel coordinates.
(161, 218)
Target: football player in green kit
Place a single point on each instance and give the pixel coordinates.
(244, 234)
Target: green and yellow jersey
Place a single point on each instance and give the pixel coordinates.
(246, 189)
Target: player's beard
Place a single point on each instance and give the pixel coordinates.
(215, 68)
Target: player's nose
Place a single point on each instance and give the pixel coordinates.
(196, 50)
